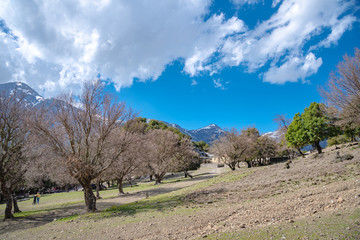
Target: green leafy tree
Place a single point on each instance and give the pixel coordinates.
(316, 124)
(340, 139)
(296, 136)
(155, 124)
(202, 146)
(311, 127)
(351, 132)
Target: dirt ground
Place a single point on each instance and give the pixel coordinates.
(312, 188)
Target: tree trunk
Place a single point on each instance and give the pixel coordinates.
(120, 185)
(151, 177)
(16, 207)
(66, 188)
(318, 147)
(232, 165)
(98, 190)
(301, 153)
(8, 200)
(108, 183)
(187, 174)
(90, 199)
(249, 164)
(158, 178)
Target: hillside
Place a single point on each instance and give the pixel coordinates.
(317, 198)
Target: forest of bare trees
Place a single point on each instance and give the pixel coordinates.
(86, 139)
(245, 146)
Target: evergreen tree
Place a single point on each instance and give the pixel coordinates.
(311, 127)
(316, 124)
(295, 135)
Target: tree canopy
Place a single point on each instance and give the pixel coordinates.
(311, 127)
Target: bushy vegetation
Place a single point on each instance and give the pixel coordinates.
(336, 140)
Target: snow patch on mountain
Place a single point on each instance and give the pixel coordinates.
(274, 135)
(31, 97)
(207, 134)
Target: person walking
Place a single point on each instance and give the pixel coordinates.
(38, 197)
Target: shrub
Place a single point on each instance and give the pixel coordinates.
(340, 139)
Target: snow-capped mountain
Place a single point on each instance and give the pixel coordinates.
(274, 135)
(31, 97)
(207, 134)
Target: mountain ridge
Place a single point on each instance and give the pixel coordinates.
(207, 133)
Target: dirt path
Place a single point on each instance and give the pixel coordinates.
(205, 172)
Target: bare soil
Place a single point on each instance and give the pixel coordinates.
(312, 188)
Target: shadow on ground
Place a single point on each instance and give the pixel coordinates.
(36, 220)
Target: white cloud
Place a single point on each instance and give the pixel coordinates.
(193, 82)
(284, 34)
(218, 84)
(337, 30)
(243, 2)
(58, 45)
(240, 3)
(275, 3)
(293, 69)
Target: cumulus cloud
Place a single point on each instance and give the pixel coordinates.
(285, 34)
(58, 45)
(293, 69)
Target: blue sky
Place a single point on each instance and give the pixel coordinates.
(234, 63)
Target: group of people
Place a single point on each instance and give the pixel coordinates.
(36, 198)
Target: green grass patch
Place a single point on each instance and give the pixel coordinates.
(72, 217)
(55, 201)
(345, 225)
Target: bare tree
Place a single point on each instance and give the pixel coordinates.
(161, 148)
(127, 162)
(185, 157)
(13, 146)
(283, 125)
(265, 148)
(343, 90)
(235, 147)
(82, 137)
